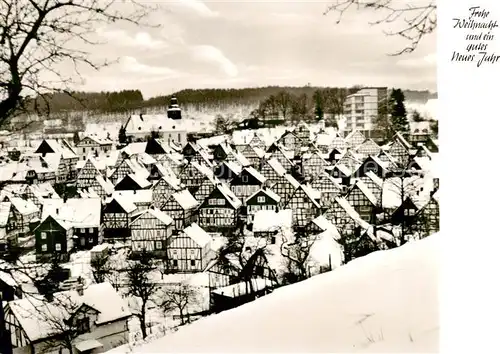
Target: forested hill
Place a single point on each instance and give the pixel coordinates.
(199, 98)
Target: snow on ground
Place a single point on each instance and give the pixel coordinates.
(384, 302)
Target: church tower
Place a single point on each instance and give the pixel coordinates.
(174, 111)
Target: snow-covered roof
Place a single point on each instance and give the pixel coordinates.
(24, 207)
(74, 212)
(63, 148)
(142, 196)
(255, 174)
(420, 128)
(105, 184)
(124, 201)
(353, 214)
(198, 235)
(140, 179)
(292, 180)
(270, 220)
(230, 196)
(158, 214)
(333, 312)
(146, 123)
(4, 213)
(185, 199)
(240, 289)
(268, 192)
(324, 224)
(366, 191)
(40, 319)
(97, 139)
(276, 166)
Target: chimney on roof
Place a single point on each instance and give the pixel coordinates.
(79, 289)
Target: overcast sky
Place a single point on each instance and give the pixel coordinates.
(256, 43)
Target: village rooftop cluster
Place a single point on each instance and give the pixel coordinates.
(231, 216)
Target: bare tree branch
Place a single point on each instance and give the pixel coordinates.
(417, 20)
(38, 36)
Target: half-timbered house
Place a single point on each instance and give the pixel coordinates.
(150, 231)
(227, 170)
(220, 210)
(61, 157)
(289, 140)
(247, 182)
(87, 174)
(334, 155)
(328, 186)
(132, 182)
(284, 157)
(102, 187)
(305, 206)
(190, 251)
(251, 154)
(23, 212)
(53, 237)
(345, 218)
(272, 170)
(128, 166)
(181, 207)
(374, 183)
(363, 201)
(83, 215)
(285, 187)
(97, 313)
(193, 174)
(312, 164)
(372, 164)
(93, 145)
(263, 199)
(162, 190)
(221, 152)
(399, 149)
(117, 214)
(368, 148)
(354, 138)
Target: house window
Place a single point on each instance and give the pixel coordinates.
(221, 201)
(83, 325)
(174, 263)
(84, 150)
(212, 201)
(193, 263)
(261, 199)
(192, 251)
(158, 245)
(273, 240)
(244, 179)
(91, 230)
(58, 246)
(43, 235)
(158, 233)
(179, 137)
(44, 248)
(82, 231)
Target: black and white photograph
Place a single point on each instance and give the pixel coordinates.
(219, 176)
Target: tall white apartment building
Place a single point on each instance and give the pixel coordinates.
(361, 108)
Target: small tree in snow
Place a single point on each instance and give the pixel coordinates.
(142, 287)
(296, 253)
(179, 297)
(100, 268)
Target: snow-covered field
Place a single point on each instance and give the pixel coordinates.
(384, 302)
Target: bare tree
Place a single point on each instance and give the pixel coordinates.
(37, 36)
(65, 318)
(100, 268)
(416, 20)
(297, 253)
(142, 287)
(284, 101)
(179, 297)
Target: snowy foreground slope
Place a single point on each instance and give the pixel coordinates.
(384, 302)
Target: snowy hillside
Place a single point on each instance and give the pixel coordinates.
(384, 302)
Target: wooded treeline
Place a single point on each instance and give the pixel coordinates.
(122, 101)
